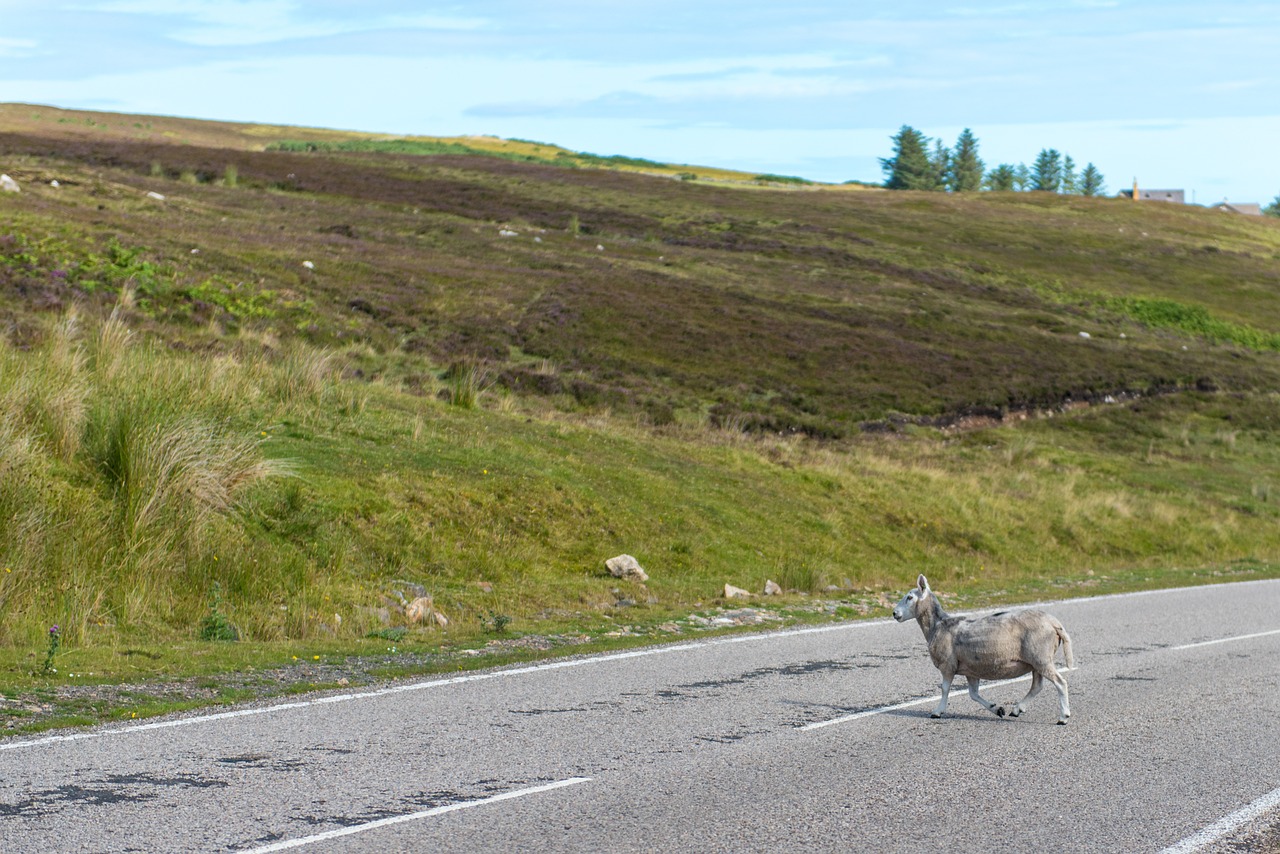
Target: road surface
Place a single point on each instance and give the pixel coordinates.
(814, 739)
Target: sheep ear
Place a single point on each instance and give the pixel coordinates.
(922, 583)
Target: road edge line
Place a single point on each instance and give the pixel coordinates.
(299, 842)
(1225, 825)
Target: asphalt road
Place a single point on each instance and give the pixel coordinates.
(804, 740)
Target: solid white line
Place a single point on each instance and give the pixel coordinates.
(909, 703)
(400, 819)
(1225, 640)
(1226, 824)
(553, 665)
(434, 683)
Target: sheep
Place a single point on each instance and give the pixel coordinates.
(1002, 645)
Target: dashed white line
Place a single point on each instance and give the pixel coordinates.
(1226, 824)
(415, 816)
(1225, 640)
(936, 697)
(866, 713)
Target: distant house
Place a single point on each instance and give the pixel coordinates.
(1246, 208)
(1178, 197)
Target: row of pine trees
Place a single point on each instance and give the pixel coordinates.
(919, 163)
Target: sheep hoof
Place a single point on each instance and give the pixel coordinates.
(1000, 712)
(1062, 723)
(935, 715)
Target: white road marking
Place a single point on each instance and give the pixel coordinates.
(1225, 640)
(866, 713)
(415, 816)
(434, 683)
(1226, 824)
(553, 665)
(936, 697)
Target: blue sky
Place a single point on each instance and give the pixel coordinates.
(1177, 94)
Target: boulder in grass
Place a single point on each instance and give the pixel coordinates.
(625, 566)
(420, 610)
(731, 592)
(8, 185)
(771, 588)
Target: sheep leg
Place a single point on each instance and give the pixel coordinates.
(942, 704)
(991, 707)
(1064, 705)
(1037, 682)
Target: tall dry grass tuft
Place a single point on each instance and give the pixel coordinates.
(48, 393)
(170, 477)
(110, 345)
(303, 375)
(802, 574)
(467, 384)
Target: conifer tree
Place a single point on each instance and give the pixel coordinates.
(1001, 179)
(1046, 174)
(1273, 209)
(940, 164)
(966, 166)
(1091, 183)
(909, 168)
(1070, 181)
(1021, 178)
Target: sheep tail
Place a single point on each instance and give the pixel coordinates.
(1065, 640)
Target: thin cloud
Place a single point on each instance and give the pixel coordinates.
(241, 23)
(18, 48)
(1232, 85)
(706, 76)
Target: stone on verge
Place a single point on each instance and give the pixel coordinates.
(419, 610)
(731, 592)
(9, 185)
(625, 566)
(771, 588)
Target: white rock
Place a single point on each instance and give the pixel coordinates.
(152, 194)
(1085, 335)
(731, 592)
(600, 247)
(771, 588)
(625, 566)
(8, 185)
(506, 232)
(195, 251)
(54, 183)
(308, 265)
(420, 610)
(537, 240)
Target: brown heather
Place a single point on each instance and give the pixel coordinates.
(814, 385)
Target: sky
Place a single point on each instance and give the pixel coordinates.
(1176, 94)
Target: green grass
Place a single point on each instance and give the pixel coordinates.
(742, 384)
(238, 481)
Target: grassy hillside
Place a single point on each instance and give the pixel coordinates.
(302, 380)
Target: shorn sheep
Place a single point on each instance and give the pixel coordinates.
(1003, 645)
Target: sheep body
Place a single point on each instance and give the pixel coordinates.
(1004, 645)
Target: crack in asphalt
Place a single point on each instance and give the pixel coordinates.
(108, 790)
